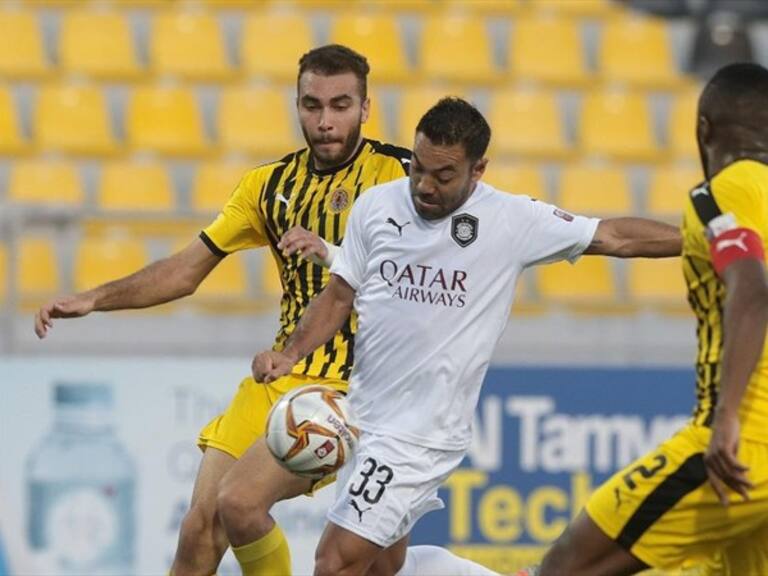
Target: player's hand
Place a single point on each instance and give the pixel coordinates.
(304, 243)
(62, 307)
(270, 365)
(723, 467)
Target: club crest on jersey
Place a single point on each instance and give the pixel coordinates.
(339, 200)
(464, 229)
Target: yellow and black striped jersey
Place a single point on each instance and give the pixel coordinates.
(275, 197)
(737, 197)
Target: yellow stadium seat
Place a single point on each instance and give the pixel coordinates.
(456, 47)
(45, 183)
(136, 187)
(590, 280)
(273, 42)
(656, 281)
(11, 141)
(617, 124)
(669, 187)
(516, 179)
(214, 183)
(492, 7)
(166, 120)
(103, 258)
(374, 128)
(73, 119)
(376, 35)
(271, 285)
(188, 45)
(227, 281)
(21, 46)
(257, 120)
(636, 50)
(547, 49)
(414, 103)
(38, 272)
(98, 45)
(530, 124)
(573, 7)
(682, 125)
(594, 190)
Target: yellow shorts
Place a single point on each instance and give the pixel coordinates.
(245, 419)
(663, 510)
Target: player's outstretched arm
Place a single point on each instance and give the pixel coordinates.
(162, 281)
(635, 237)
(306, 244)
(744, 324)
(324, 316)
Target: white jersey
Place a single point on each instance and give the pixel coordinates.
(433, 297)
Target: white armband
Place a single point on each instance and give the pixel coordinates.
(332, 250)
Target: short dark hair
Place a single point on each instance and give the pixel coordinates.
(333, 59)
(455, 121)
(737, 92)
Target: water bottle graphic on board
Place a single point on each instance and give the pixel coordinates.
(81, 488)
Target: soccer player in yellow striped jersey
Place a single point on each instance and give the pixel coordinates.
(298, 206)
(702, 496)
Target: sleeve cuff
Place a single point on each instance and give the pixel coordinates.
(212, 246)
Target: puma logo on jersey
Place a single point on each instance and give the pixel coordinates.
(283, 199)
(398, 226)
(360, 512)
(699, 191)
(729, 242)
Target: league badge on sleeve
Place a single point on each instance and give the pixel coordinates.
(464, 229)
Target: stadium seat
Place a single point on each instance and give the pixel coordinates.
(11, 141)
(99, 45)
(73, 119)
(636, 50)
(414, 102)
(273, 42)
(589, 281)
(573, 8)
(38, 272)
(594, 190)
(547, 49)
(135, 187)
(271, 285)
(166, 120)
(227, 281)
(681, 131)
(376, 35)
(516, 179)
(456, 47)
(617, 124)
(214, 183)
(258, 120)
(669, 187)
(100, 259)
(374, 127)
(529, 124)
(656, 281)
(188, 45)
(490, 7)
(21, 46)
(45, 183)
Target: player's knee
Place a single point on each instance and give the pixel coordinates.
(197, 523)
(239, 511)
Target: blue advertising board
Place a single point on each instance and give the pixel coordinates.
(543, 440)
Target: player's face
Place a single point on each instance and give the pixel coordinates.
(331, 112)
(442, 177)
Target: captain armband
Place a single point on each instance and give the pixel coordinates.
(735, 244)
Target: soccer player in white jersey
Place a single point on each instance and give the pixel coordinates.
(430, 264)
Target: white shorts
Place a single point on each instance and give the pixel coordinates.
(388, 486)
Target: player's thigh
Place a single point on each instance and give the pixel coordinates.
(391, 560)
(214, 465)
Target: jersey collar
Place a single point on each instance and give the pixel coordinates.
(328, 171)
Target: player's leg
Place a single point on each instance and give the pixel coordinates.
(246, 495)
(584, 549)
(202, 541)
(341, 552)
(437, 561)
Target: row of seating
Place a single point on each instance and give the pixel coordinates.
(592, 281)
(453, 47)
(147, 187)
(260, 121)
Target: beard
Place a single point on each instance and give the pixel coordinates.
(328, 158)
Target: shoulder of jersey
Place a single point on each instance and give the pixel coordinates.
(403, 155)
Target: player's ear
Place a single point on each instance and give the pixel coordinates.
(365, 109)
(478, 169)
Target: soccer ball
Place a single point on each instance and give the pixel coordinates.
(309, 431)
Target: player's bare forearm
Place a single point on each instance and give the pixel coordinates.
(324, 316)
(635, 237)
(744, 324)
